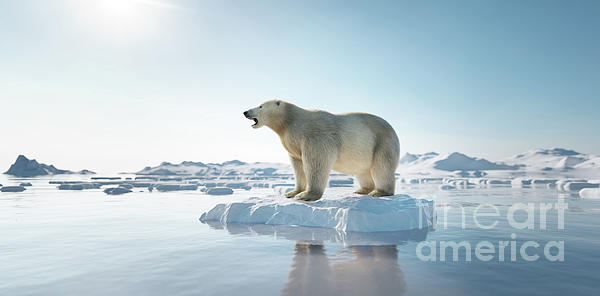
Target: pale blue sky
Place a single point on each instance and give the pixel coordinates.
(120, 84)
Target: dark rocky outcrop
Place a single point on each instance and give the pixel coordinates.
(24, 167)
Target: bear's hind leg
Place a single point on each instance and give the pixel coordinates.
(383, 171)
(365, 180)
(299, 176)
(385, 184)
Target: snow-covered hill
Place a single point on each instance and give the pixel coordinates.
(442, 164)
(228, 168)
(536, 163)
(549, 159)
(556, 162)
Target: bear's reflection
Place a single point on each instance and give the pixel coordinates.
(367, 266)
(371, 270)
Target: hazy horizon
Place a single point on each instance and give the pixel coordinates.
(118, 85)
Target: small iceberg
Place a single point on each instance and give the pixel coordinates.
(591, 193)
(351, 214)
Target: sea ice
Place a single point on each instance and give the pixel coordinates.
(498, 182)
(591, 193)
(576, 186)
(12, 189)
(352, 214)
(560, 185)
(446, 187)
(116, 190)
(219, 191)
(521, 182)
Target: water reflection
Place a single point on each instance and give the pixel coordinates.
(372, 270)
(366, 265)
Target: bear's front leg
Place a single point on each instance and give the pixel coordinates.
(317, 165)
(299, 176)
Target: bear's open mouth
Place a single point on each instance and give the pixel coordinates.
(255, 121)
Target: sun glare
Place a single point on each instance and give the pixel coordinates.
(117, 7)
(121, 20)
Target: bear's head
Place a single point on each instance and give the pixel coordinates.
(269, 113)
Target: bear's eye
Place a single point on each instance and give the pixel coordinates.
(260, 107)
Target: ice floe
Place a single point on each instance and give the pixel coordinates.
(12, 189)
(219, 191)
(116, 191)
(353, 213)
(591, 193)
(576, 186)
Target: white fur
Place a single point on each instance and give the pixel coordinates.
(359, 144)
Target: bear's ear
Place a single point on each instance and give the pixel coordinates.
(278, 102)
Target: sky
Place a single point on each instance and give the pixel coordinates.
(117, 85)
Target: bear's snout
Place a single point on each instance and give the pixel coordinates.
(246, 114)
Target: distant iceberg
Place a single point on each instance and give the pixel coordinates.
(351, 214)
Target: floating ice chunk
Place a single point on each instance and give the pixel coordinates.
(411, 181)
(238, 185)
(126, 186)
(543, 181)
(498, 182)
(219, 191)
(576, 186)
(354, 213)
(117, 190)
(447, 187)
(78, 186)
(12, 189)
(464, 184)
(591, 193)
(520, 182)
(106, 178)
(176, 187)
(431, 180)
(560, 185)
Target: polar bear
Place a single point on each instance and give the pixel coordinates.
(317, 141)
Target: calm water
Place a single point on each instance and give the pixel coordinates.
(72, 243)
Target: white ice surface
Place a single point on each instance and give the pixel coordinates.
(591, 193)
(350, 213)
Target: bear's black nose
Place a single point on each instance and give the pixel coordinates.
(246, 113)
